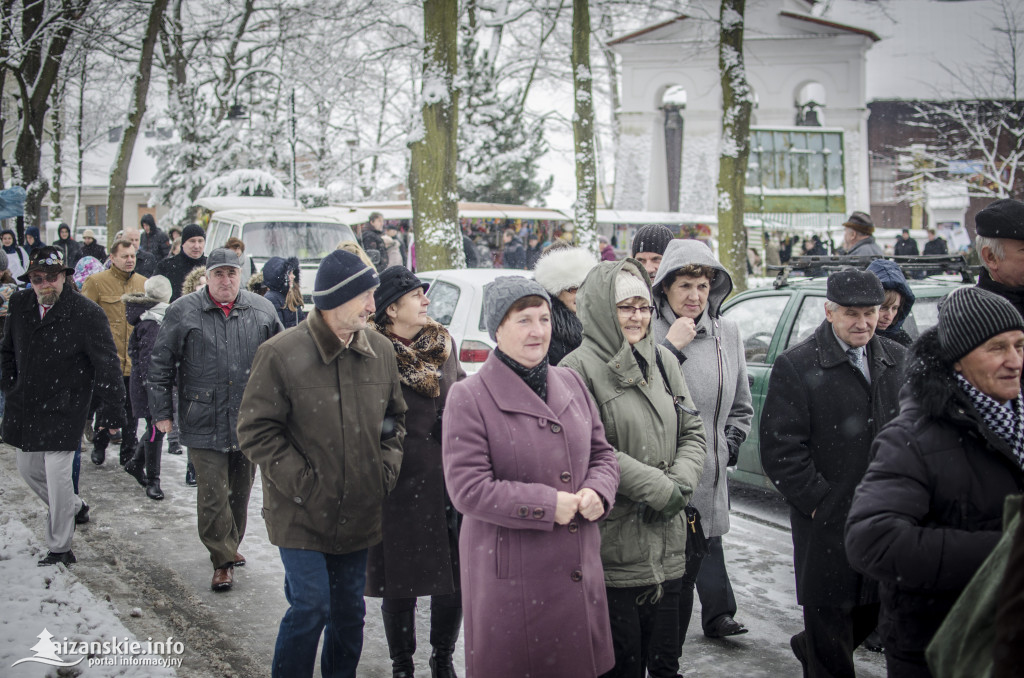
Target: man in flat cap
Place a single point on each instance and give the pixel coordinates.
(859, 236)
(206, 346)
(827, 398)
(1000, 244)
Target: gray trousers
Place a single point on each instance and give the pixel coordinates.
(222, 501)
(48, 474)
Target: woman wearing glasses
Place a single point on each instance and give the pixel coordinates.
(659, 443)
(688, 291)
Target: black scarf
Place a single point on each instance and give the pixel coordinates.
(536, 377)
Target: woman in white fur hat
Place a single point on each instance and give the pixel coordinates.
(561, 271)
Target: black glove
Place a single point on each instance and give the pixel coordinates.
(734, 438)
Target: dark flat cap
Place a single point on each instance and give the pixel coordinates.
(1001, 219)
(855, 288)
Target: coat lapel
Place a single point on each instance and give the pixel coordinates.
(511, 394)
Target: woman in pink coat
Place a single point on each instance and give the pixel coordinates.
(527, 464)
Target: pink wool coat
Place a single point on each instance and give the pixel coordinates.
(532, 591)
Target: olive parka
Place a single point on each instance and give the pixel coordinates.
(657, 435)
(325, 424)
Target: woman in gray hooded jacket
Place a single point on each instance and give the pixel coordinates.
(688, 293)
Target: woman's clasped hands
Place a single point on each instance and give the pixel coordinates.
(586, 502)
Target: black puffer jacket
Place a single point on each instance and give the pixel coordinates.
(209, 356)
(566, 331)
(930, 507)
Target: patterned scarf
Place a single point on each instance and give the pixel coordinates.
(420, 362)
(1005, 422)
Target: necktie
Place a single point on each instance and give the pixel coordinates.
(855, 357)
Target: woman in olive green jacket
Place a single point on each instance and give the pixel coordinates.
(660, 446)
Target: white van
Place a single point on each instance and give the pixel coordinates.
(280, 233)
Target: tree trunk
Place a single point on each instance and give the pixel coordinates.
(119, 174)
(57, 117)
(432, 184)
(583, 129)
(79, 144)
(735, 148)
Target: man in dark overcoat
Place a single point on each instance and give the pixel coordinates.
(827, 398)
(57, 354)
(1000, 244)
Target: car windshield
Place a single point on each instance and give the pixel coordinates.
(309, 241)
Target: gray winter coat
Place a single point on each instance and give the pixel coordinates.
(866, 248)
(209, 356)
(715, 369)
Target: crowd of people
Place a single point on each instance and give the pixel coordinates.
(562, 505)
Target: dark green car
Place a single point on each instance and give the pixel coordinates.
(772, 319)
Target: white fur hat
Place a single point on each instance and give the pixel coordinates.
(563, 269)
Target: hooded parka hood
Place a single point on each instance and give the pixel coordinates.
(892, 278)
(680, 253)
(275, 273)
(595, 306)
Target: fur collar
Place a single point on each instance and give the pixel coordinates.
(419, 364)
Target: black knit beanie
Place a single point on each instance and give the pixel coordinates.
(969, 317)
(192, 231)
(652, 238)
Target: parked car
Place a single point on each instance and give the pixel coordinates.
(772, 319)
(280, 233)
(456, 301)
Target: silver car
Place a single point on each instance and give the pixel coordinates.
(456, 301)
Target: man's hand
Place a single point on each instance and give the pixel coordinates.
(681, 333)
(164, 426)
(591, 506)
(566, 507)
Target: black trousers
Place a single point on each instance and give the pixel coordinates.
(906, 665)
(129, 437)
(673, 620)
(631, 612)
(830, 636)
(713, 586)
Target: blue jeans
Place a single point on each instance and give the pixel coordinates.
(325, 594)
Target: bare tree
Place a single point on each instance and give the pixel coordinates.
(737, 102)
(33, 38)
(140, 90)
(432, 183)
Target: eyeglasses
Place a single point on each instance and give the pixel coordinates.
(43, 278)
(627, 311)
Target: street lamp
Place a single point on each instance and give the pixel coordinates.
(236, 112)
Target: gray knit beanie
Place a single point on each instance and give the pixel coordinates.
(651, 238)
(969, 317)
(504, 291)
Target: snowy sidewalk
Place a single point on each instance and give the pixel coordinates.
(47, 605)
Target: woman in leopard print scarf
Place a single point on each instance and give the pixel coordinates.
(420, 554)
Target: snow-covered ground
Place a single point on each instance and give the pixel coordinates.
(142, 573)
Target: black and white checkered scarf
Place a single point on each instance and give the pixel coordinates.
(1005, 422)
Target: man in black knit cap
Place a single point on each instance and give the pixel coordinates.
(649, 245)
(1000, 244)
(193, 241)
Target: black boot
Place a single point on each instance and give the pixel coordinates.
(99, 455)
(135, 465)
(153, 490)
(400, 629)
(445, 623)
(151, 451)
(190, 475)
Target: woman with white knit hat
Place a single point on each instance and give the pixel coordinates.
(561, 272)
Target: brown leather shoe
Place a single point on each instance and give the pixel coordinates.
(222, 579)
(239, 559)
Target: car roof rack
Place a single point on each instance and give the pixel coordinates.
(913, 267)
